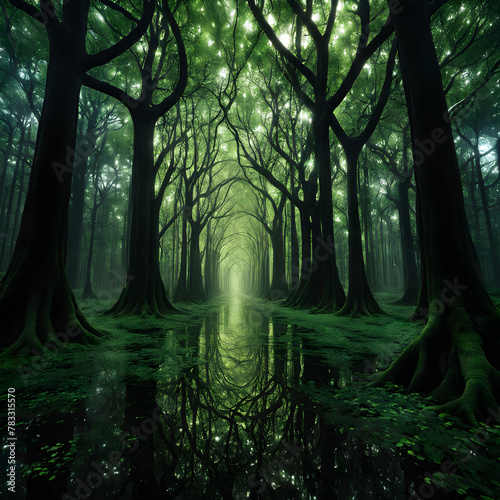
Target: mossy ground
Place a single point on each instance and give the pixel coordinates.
(385, 418)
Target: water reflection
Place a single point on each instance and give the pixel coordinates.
(228, 424)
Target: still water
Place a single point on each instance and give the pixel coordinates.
(212, 410)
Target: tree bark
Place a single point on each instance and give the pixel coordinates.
(195, 283)
(144, 293)
(360, 300)
(456, 357)
(36, 301)
(411, 281)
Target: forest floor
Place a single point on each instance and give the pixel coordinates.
(439, 452)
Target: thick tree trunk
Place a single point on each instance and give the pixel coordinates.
(36, 301)
(456, 357)
(359, 301)
(144, 293)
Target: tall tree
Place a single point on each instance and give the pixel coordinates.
(145, 293)
(455, 358)
(36, 301)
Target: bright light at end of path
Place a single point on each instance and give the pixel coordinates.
(235, 284)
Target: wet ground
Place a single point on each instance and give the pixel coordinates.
(244, 402)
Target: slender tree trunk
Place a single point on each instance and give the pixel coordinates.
(359, 301)
(87, 291)
(299, 291)
(411, 281)
(495, 262)
(294, 248)
(17, 218)
(325, 279)
(195, 284)
(77, 205)
(471, 188)
(3, 190)
(8, 214)
(181, 291)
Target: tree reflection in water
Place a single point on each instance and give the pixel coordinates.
(228, 422)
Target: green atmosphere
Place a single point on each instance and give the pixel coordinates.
(250, 249)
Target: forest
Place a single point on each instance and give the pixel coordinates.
(250, 249)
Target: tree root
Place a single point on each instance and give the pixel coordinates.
(139, 302)
(448, 361)
(49, 319)
(360, 304)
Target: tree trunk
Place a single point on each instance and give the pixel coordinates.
(8, 214)
(294, 247)
(195, 283)
(411, 281)
(299, 291)
(325, 278)
(495, 262)
(87, 291)
(456, 357)
(144, 293)
(181, 291)
(75, 219)
(36, 301)
(279, 288)
(359, 301)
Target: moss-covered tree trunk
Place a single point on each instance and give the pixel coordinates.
(456, 357)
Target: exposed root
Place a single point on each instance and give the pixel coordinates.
(50, 319)
(448, 362)
(137, 300)
(357, 305)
